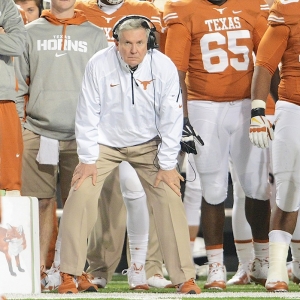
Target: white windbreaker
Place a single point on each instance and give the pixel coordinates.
(119, 108)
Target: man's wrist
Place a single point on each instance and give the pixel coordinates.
(257, 103)
(258, 108)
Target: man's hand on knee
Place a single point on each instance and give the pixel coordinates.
(82, 171)
(171, 177)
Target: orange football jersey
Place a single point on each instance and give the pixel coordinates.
(107, 21)
(282, 43)
(215, 44)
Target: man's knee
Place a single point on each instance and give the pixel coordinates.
(287, 196)
(45, 203)
(215, 194)
(132, 188)
(255, 187)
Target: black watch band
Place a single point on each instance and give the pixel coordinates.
(185, 120)
(259, 111)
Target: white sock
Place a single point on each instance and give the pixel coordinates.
(215, 256)
(138, 245)
(137, 228)
(261, 250)
(245, 253)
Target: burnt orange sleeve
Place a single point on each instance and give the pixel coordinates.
(178, 45)
(272, 47)
(259, 31)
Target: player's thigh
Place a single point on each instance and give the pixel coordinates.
(286, 157)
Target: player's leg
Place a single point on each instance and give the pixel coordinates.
(137, 226)
(286, 165)
(241, 233)
(252, 168)
(212, 166)
(192, 199)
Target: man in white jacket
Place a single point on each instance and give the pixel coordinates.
(129, 109)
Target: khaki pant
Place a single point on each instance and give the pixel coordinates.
(40, 180)
(106, 241)
(80, 213)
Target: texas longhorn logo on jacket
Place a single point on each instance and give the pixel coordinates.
(145, 83)
(12, 242)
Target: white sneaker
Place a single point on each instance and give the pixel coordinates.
(259, 271)
(216, 278)
(158, 281)
(100, 282)
(136, 277)
(241, 277)
(52, 280)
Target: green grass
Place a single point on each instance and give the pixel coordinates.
(119, 284)
(118, 289)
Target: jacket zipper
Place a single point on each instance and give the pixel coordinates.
(132, 91)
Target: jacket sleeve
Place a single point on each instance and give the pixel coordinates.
(12, 43)
(170, 121)
(22, 74)
(87, 118)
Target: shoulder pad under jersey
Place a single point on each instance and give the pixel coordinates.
(176, 11)
(285, 12)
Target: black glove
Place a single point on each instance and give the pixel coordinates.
(189, 136)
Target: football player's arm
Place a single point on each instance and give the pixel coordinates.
(178, 46)
(184, 92)
(269, 54)
(260, 29)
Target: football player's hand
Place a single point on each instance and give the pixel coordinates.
(260, 131)
(189, 137)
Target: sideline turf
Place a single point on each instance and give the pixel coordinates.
(117, 289)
